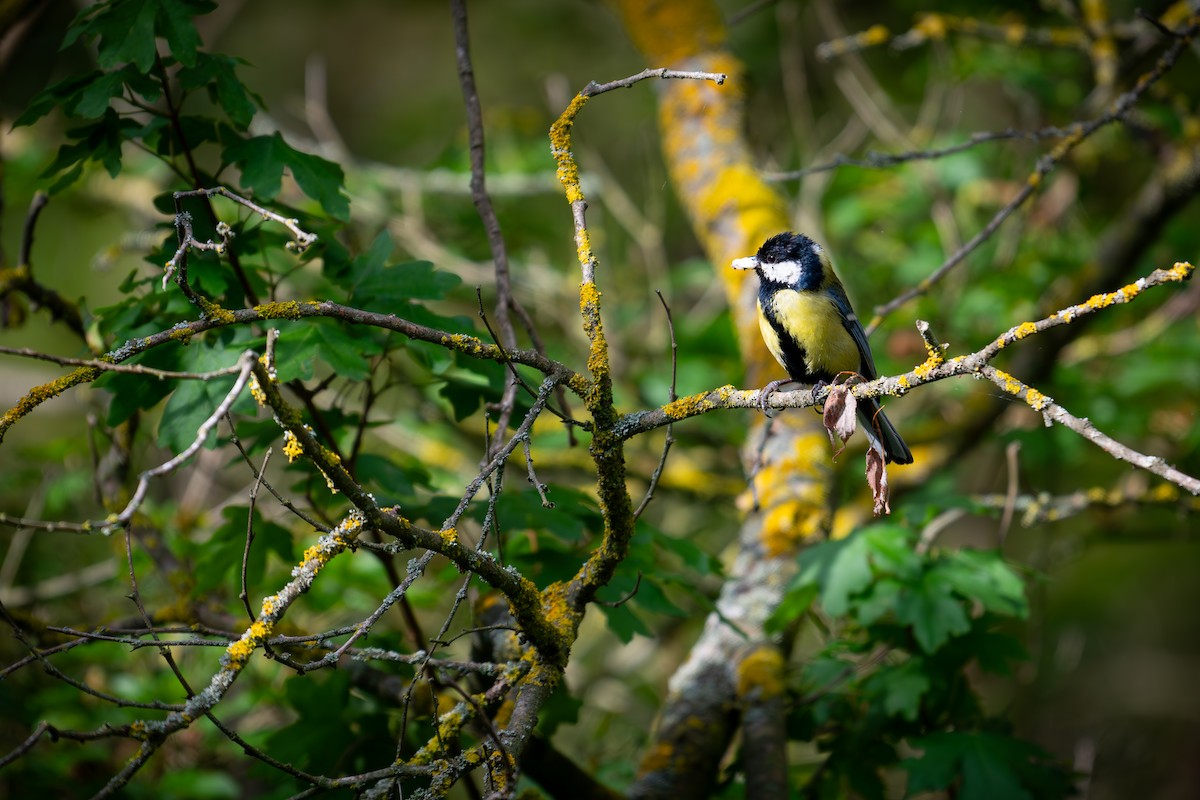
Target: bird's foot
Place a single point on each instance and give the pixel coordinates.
(766, 393)
(816, 389)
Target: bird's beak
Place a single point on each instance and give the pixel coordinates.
(749, 262)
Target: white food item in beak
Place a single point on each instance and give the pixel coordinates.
(749, 262)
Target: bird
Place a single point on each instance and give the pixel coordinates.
(810, 327)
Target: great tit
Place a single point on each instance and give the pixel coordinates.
(810, 328)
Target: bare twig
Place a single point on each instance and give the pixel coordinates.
(593, 88)
(533, 478)
(1078, 133)
(669, 439)
(128, 369)
(246, 364)
(24, 747)
(483, 204)
(51, 526)
(1011, 453)
(260, 478)
(1043, 507)
(40, 200)
(21, 278)
(874, 160)
(80, 686)
(243, 594)
(1053, 412)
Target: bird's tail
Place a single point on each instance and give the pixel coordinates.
(880, 431)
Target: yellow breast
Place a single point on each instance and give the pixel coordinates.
(812, 322)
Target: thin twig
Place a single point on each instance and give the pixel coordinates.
(670, 438)
(1078, 133)
(875, 160)
(246, 362)
(51, 526)
(243, 594)
(1053, 412)
(593, 88)
(24, 747)
(483, 204)
(533, 478)
(1011, 453)
(21, 279)
(40, 199)
(259, 477)
(632, 593)
(135, 763)
(108, 366)
(135, 595)
(80, 686)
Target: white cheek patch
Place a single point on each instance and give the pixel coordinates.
(786, 272)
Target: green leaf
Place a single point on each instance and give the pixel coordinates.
(218, 73)
(892, 551)
(93, 100)
(323, 181)
(64, 94)
(994, 651)
(795, 603)
(573, 514)
(198, 784)
(366, 264)
(346, 353)
(467, 390)
(133, 393)
(990, 766)
(561, 709)
(647, 595)
(934, 614)
(983, 576)
(100, 141)
(623, 622)
(694, 557)
(879, 602)
(221, 557)
(827, 673)
(846, 574)
(901, 688)
(125, 29)
(346, 350)
(173, 22)
(262, 160)
(389, 477)
(196, 400)
(317, 738)
(389, 288)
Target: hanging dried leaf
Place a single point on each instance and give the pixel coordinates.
(840, 419)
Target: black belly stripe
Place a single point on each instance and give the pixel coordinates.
(793, 353)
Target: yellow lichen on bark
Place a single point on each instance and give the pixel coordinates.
(667, 31)
(684, 407)
(733, 211)
(566, 169)
(40, 394)
(760, 673)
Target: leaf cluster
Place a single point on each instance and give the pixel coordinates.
(892, 688)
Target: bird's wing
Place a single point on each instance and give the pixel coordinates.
(855, 329)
